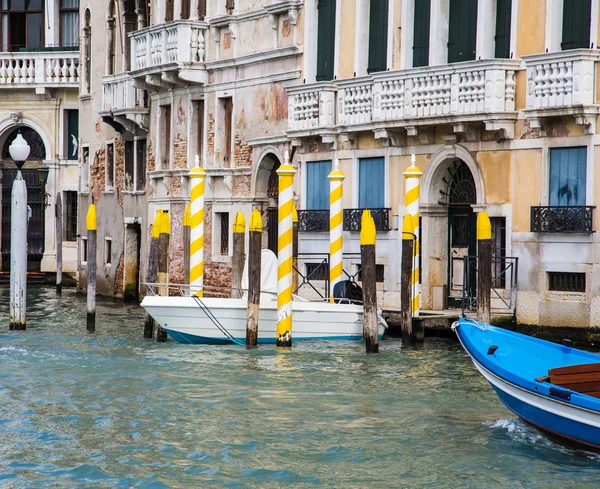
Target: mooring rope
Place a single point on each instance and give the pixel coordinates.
(216, 322)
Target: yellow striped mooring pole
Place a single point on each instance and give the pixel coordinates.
(413, 181)
(336, 228)
(286, 174)
(197, 176)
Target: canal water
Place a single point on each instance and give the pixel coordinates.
(112, 410)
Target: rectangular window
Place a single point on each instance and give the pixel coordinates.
(503, 21)
(69, 23)
(317, 185)
(70, 216)
(577, 15)
(129, 165)
(71, 123)
(568, 168)
(223, 220)
(462, 31)
(378, 34)
(325, 39)
(22, 24)
(498, 251)
(421, 33)
(85, 169)
(201, 9)
(169, 7)
(227, 104)
(165, 142)
(110, 166)
(107, 251)
(198, 106)
(566, 281)
(371, 183)
(140, 165)
(84, 250)
(185, 9)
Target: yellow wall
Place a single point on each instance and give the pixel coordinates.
(527, 172)
(366, 140)
(396, 183)
(495, 168)
(348, 19)
(531, 30)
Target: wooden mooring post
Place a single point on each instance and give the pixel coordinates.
(163, 266)
(239, 254)
(59, 235)
(254, 273)
(369, 282)
(484, 267)
(152, 271)
(408, 240)
(91, 225)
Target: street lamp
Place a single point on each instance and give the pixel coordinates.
(19, 151)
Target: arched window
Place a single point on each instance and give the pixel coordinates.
(36, 144)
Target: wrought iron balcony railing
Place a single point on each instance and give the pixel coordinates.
(352, 219)
(313, 220)
(562, 219)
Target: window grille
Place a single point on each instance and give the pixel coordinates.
(71, 216)
(566, 281)
(224, 218)
(317, 271)
(379, 273)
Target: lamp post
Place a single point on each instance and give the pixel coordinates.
(19, 151)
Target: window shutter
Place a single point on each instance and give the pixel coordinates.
(371, 180)
(378, 33)
(577, 16)
(421, 33)
(462, 32)
(503, 21)
(325, 39)
(317, 185)
(568, 168)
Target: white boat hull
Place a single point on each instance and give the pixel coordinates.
(186, 322)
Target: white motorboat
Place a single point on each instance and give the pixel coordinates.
(191, 319)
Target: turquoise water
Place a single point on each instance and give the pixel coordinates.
(112, 410)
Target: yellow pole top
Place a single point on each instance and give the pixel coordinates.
(165, 227)
(256, 221)
(367, 230)
(336, 173)
(294, 215)
(239, 225)
(90, 220)
(413, 171)
(484, 226)
(197, 171)
(407, 228)
(157, 223)
(286, 170)
(186, 216)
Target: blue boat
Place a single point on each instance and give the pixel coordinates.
(551, 386)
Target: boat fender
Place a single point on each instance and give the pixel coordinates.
(492, 349)
(381, 320)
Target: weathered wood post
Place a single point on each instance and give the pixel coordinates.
(152, 272)
(484, 267)
(336, 227)
(59, 235)
(163, 265)
(186, 243)
(239, 254)
(411, 200)
(406, 279)
(197, 177)
(295, 251)
(369, 282)
(254, 273)
(91, 226)
(286, 174)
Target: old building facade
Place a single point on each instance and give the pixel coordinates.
(39, 77)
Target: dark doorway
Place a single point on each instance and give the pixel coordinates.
(272, 211)
(35, 230)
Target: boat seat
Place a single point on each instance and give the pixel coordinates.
(584, 378)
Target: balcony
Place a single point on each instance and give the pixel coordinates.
(562, 83)
(352, 219)
(124, 104)
(564, 219)
(458, 93)
(313, 221)
(39, 70)
(169, 55)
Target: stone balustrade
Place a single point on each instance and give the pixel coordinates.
(311, 107)
(40, 69)
(119, 94)
(561, 79)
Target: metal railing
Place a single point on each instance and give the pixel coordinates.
(352, 219)
(313, 220)
(562, 219)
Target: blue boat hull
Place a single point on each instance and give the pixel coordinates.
(513, 369)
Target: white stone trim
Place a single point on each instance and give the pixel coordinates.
(338, 31)
(486, 28)
(310, 41)
(391, 29)
(514, 17)
(554, 14)
(438, 32)
(270, 55)
(361, 37)
(407, 24)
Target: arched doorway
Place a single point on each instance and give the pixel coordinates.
(36, 192)
(459, 196)
(266, 194)
(272, 210)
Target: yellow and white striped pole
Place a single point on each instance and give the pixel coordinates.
(286, 174)
(413, 180)
(197, 176)
(336, 228)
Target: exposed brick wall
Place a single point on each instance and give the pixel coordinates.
(242, 153)
(98, 175)
(119, 170)
(176, 258)
(150, 157)
(180, 152)
(210, 135)
(118, 285)
(217, 274)
(207, 232)
(241, 185)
